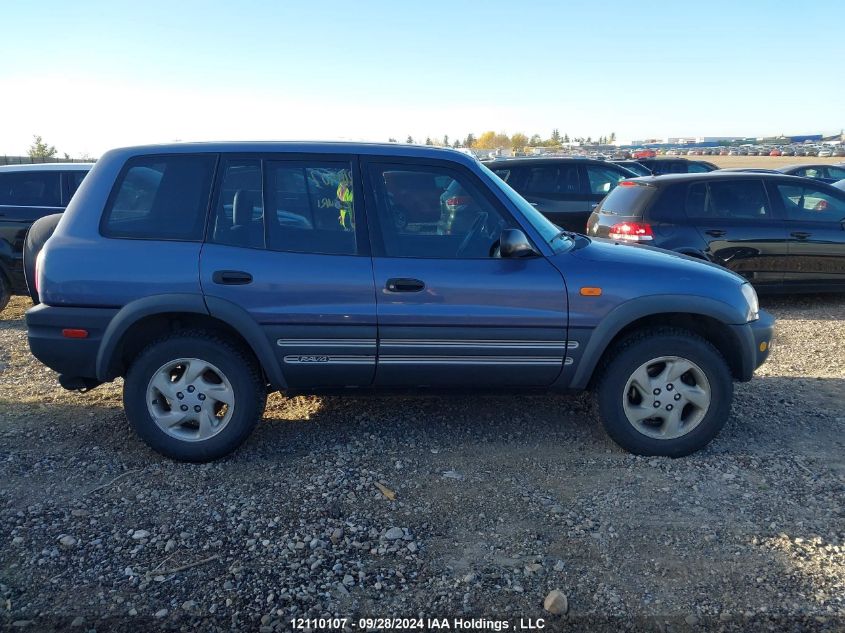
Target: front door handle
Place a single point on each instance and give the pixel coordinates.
(801, 235)
(715, 232)
(404, 284)
(231, 277)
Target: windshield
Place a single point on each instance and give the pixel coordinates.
(541, 224)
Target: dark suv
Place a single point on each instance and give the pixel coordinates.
(662, 166)
(780, 232)
(208, 274)
(28, 193)
(565, 190)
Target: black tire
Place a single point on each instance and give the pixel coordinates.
(36, 238)
(240, 370)
(5, 292)
(640, 348)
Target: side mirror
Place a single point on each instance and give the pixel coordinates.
(514, 243)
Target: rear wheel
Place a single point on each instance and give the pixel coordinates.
(193, 397)
(665, 392)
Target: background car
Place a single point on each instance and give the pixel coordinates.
(782, 233)
(659, 166)
(825, 173)
(565, 190)
(27, 193)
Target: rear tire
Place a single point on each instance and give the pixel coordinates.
(194, 397)
(5, 292)
(664, 392)
(36, 237)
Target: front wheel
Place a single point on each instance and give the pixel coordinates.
(193, 397)
(664, 392)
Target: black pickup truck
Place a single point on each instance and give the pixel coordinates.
(28, 193)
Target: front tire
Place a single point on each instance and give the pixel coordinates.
(664, 392)
(193, 397)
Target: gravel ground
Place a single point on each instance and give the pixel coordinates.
(488, 504)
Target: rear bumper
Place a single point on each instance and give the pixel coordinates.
(756, 340)
(72, 357)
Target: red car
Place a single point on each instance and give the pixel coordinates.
(775, 152)
(644, 153)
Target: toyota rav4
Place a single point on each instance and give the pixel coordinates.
(207, 275)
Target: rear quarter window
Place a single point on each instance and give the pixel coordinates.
(30, 188)
(627, 200)
(160, 198)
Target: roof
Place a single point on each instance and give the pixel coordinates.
(543, 160)
(47, 167)
(786, 168)
(713, 175)
(303, 147)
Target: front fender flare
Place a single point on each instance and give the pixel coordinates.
(625, 314)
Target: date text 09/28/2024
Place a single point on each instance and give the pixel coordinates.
(417, 624)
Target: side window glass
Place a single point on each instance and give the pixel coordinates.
(310, 208)
(603, 179)
(738, 199)
(837, 173)
(74, 179)
(552, 179)
(239, 219)
(160, 197)
(504, 174)
(30, 188)
(697, 205)
(697, 168)
(432, 213)
(812, 172)
(810, 204)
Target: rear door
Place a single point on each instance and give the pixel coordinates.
(287, 243)
(556, 189)
(451, 313)
(816, 226)
(743, 231)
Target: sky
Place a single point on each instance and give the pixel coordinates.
(89, 75)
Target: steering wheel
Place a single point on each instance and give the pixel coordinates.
(474, 231)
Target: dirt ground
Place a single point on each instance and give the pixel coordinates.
(770, 162)
(498, 501)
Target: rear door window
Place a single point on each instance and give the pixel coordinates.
(837, 173)
(733, 199)
(160, 198)
(30, 188)
(552, 180)
(239, 218)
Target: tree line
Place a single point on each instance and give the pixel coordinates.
(516, 142)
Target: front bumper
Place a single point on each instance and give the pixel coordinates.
(755, 339)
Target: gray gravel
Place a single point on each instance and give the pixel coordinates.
(498, 501)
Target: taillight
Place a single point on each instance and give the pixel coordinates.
(627, 183)
(455, 201)
(631, 232)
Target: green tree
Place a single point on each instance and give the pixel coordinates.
(566, 138)
(519, 141)
(40, 149)
(470, 140)
(555, 139)
(445, 140)
(535, 140)
(391, 140)
(613, 137)
(428, 140)
(456, 144)
(410, 140)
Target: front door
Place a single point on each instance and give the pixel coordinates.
(816, 227)
(287, 245)
(451, 313)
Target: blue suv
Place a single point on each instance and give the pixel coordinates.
(208, 275)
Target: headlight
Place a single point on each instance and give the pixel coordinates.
(753, 303)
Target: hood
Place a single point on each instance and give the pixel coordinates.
(647, 259)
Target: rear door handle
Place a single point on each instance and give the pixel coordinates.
(801, 235)
(715, 232)
(231, 277)
(404, 284)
